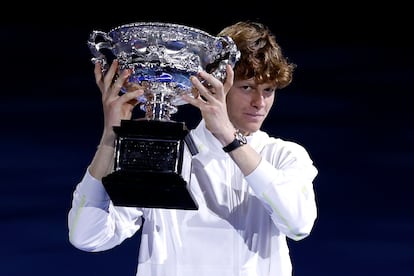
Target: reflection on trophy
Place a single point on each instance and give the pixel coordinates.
(148, 157)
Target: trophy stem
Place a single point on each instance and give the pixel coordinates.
(158, 107)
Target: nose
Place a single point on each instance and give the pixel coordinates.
(258, 100)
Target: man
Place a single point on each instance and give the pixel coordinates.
(253, 191)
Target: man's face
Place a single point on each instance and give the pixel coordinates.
(248, 104)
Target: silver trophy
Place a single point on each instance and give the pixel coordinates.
(148, 168)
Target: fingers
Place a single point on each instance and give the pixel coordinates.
(98, 73)
(228, 83)
(109, 82)
(208, 80)
(110, 75)
(194, 99)
(203, 91)
(208, 87)
(214, 84)
(119, 82)
(104, 78)
(132, 96)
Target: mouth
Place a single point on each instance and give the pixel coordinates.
(254, 115)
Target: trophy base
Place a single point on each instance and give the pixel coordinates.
(148, 165)
(155, 190)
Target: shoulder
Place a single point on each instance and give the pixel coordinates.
(276, 146)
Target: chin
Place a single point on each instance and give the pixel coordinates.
(250, 128)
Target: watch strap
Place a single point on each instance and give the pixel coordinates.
(233, 145)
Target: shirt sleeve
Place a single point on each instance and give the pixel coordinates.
(283, 181)
(94, 223)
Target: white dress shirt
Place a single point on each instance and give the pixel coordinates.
(240, 227)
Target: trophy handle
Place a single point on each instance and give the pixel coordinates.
(101, 46)
(229, 55)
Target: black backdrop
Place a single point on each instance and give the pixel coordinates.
(349, 105)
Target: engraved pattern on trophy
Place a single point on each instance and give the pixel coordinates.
(162, 57)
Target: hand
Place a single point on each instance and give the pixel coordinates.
(116, 107)
(210, 97)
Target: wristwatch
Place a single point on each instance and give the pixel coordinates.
(239, 140)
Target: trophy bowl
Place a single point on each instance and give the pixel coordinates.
(162, 57)
(148, 156)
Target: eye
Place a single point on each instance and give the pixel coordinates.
(270, 91)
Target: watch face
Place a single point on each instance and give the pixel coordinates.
(239, 136)
(238, 141)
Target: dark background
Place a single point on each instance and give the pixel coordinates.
(350, 105)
